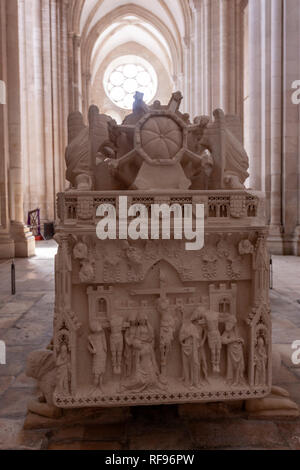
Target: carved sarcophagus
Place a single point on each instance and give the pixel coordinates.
(147, 321)
(140, 318)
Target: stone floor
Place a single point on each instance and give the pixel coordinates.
(26, 325)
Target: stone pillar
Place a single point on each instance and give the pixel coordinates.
(255, 94)
(46, 112)
(71, 71)
(214, 54)
(56, 97)
(196, 6)
(291, 129)
(24, 241)
(231, 57)
(64, 11)
(186, 102)
(76, 72)
(7, 246)
(87, 77)
(217, 55)
(275, 238)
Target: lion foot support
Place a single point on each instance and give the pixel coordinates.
(277, 404)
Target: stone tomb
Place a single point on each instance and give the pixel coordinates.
(141, 322)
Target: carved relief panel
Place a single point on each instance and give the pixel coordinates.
(155, 335)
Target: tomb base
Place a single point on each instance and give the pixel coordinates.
(129, 312)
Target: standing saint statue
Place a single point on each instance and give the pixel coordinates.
(98, 348)
(116, 343)
(167, 330)
(212, 319)
(235, 355)
(128, 348)
(189, 340)
(63, 370)
(202, 332)
(260, 362)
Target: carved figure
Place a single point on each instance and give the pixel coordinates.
(63, 370)
(245, 247)
(202, 354)
(146, 373)
(98, 348)
(134, 258)
(189, 340)
(86, 273)
(223, 138)
(235, 354)
(41, 366)
(81, 252)
(84, 143)
(116, 343)
(260, 362)
(129, 358)
(213, 334)
(167, 330)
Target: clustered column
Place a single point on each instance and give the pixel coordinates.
(216, 74)
(274, 121)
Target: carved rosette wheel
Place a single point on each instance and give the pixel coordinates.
(161, 138)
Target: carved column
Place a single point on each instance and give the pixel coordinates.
(77, 66)
(71, 72)
(231, 56)
(218, 55)
(64, 6)
(7, 248)
(186, 105)
(255, 94)
(24, 241)
(86, 86)
(291, 129)
(196, 6)
(276, 124)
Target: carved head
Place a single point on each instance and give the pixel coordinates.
(142, 318)
(80, 251)
(260, 342)
(230, 322)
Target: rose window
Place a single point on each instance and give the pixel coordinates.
(125, 76)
